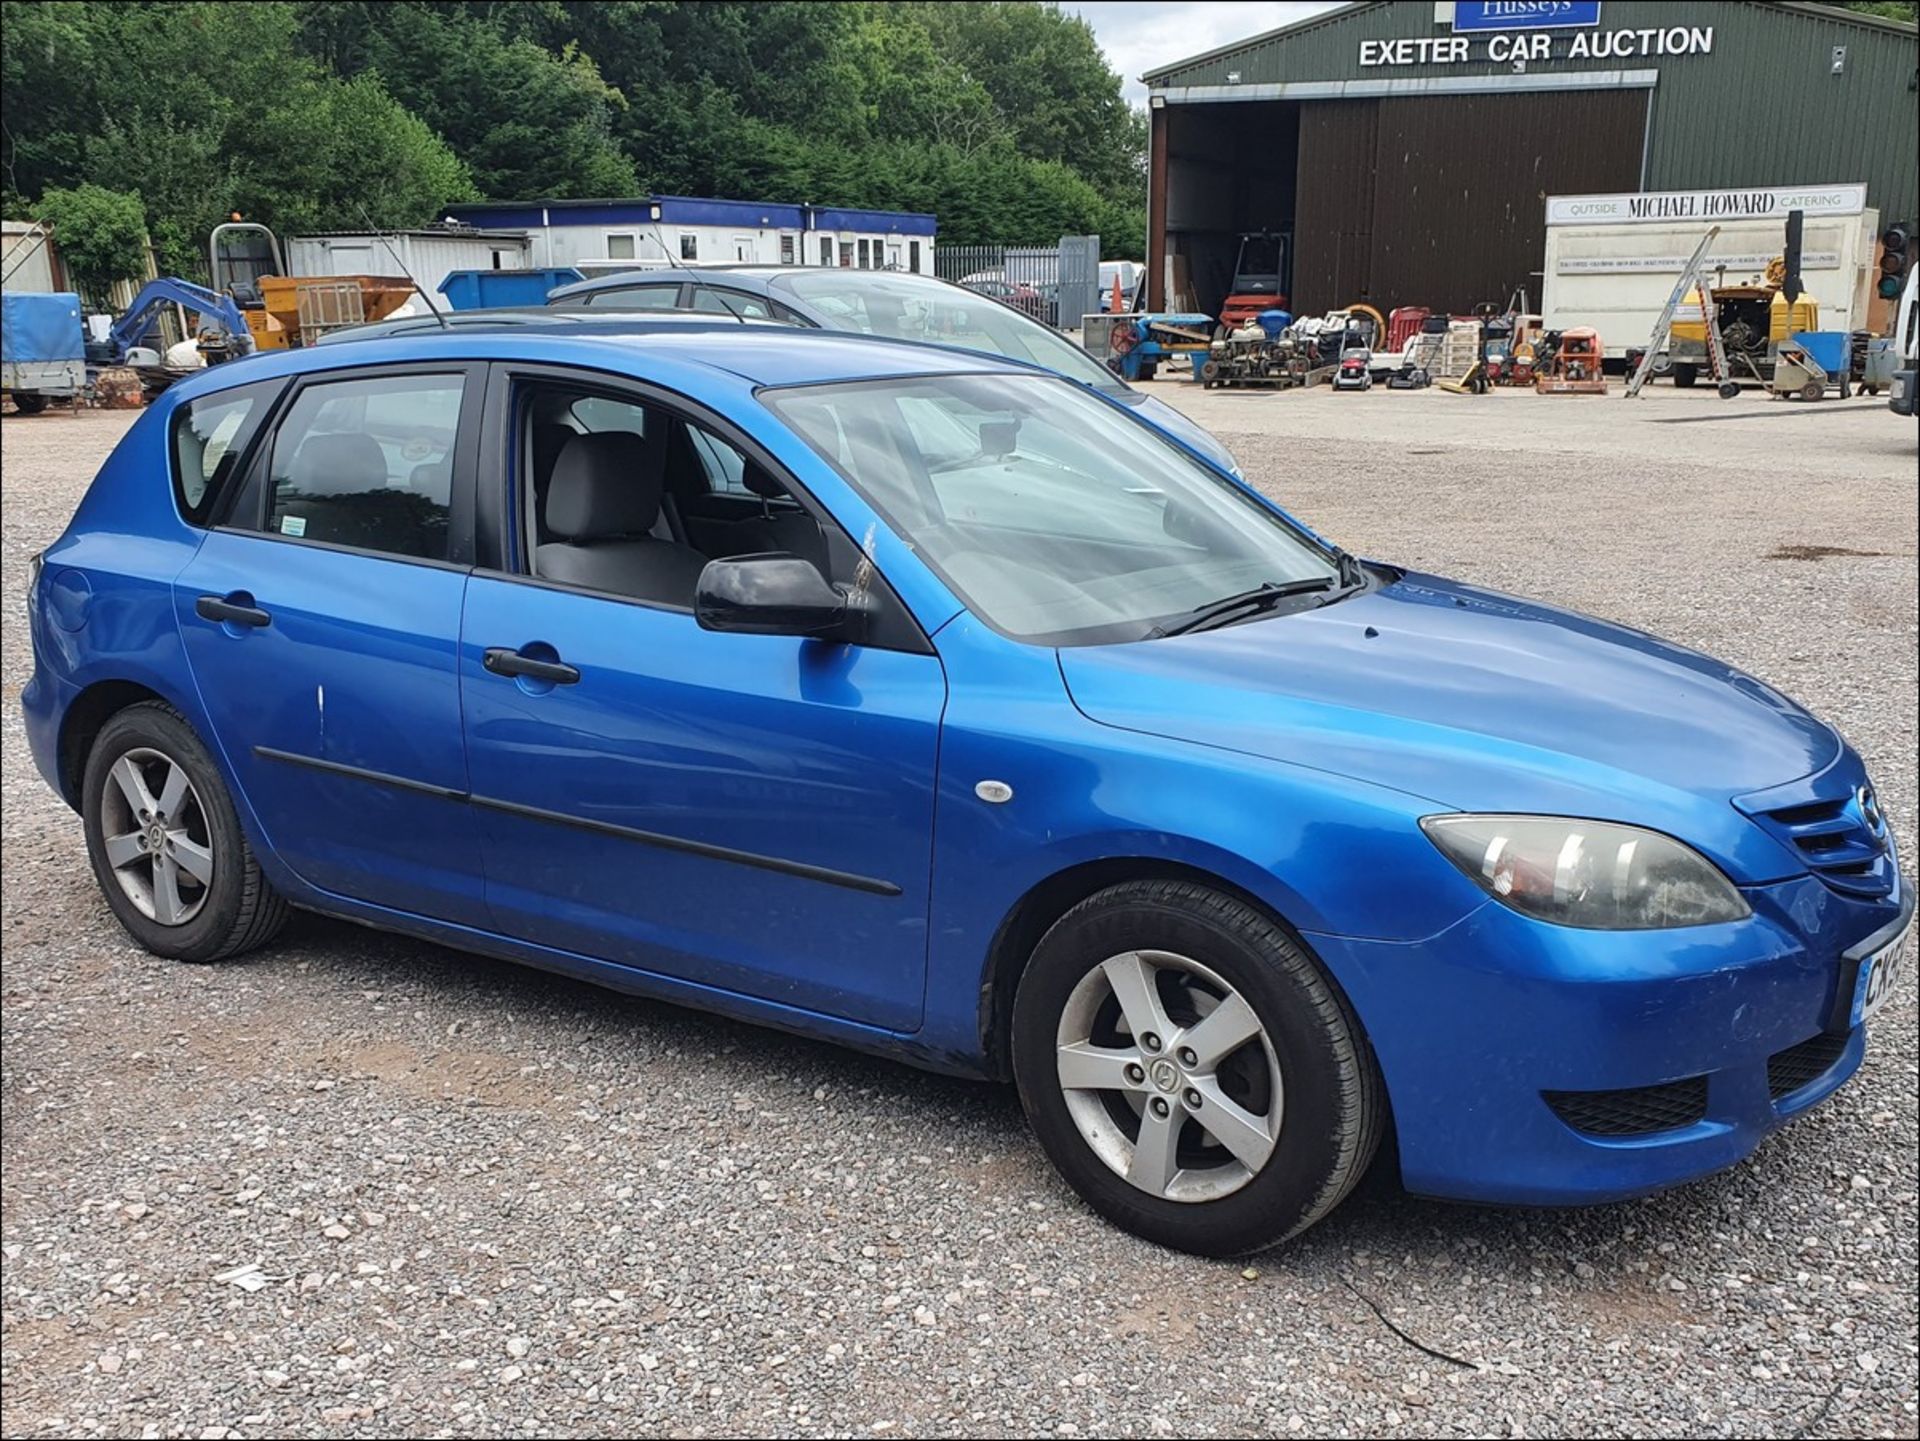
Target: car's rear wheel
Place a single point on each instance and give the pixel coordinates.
(1190, 1070)
(165, 843)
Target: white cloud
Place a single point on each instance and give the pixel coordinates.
(1143, 36)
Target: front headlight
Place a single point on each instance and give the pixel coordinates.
(1593, 874)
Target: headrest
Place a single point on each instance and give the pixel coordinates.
(605, 484)
(761, 483)
(340, 463)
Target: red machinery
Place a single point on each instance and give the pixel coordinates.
(1256, 279)
(1573, 366)
(1403, 324)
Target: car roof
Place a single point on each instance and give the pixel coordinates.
(537, 317)
(678, 349)
(747, 275)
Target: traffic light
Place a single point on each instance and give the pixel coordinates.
(1897, 246)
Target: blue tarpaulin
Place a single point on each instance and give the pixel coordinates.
(36, 328)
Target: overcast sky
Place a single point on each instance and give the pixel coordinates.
(1142, 36)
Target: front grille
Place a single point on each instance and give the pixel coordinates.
(1834, 839)
(1639, 1111)
(1834, 824)
(1797, 1066)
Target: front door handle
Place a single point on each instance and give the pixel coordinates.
(235, 609)
(503, 661)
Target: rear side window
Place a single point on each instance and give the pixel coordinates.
(368, 464)
(635, 297)
(209, 436)
(730, 302)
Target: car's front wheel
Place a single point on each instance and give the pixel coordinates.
(1191, 1071)
(166, 846)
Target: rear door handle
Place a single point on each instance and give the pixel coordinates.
(236, 609)
(503, 661)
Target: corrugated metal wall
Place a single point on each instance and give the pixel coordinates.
(1762, 109)
(1769, 111)
(1411, 202)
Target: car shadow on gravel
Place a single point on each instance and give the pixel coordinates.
(1380, 1217)
(467, 978)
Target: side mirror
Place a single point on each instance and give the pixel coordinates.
(774, 594)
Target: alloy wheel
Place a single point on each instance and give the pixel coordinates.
(156, 836)
(1169, 1075)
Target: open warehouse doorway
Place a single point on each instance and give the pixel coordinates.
(1390, 200)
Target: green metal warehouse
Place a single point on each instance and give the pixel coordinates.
(1407, 150)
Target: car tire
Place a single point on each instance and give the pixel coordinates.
(166, 846)
(28, 402)
(1319, 1111)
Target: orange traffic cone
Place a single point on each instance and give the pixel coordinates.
(1118, 306)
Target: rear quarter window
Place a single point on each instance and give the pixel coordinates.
(210, 438)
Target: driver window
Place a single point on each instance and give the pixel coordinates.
(629, 498)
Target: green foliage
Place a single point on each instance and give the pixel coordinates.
(526, 122)
(204, 108)
(1002, 119)
(102, 234)
(1907, 10)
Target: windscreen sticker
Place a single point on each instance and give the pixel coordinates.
(293, 525)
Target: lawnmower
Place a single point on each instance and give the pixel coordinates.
(1263, 352)
(1356, 369)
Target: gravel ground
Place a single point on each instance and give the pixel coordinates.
(486, 1201)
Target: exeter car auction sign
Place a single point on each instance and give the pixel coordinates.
(1518, 47)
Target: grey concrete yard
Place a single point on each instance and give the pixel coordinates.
(490, 1202)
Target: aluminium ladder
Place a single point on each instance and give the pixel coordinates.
(1693, 277)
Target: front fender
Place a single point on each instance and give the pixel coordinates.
(1324, 852)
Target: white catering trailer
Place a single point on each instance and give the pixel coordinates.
(1612, 259)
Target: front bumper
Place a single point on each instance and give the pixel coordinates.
(1477, 1027)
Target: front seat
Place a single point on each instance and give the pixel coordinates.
(601, 503)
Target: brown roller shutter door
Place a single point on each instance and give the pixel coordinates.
(1441, 200)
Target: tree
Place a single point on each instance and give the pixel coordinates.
(1001, 118)
(329, 154)
(1044, 70)
(101, 234)
(135, 109)
(1907, 10)
(525, 120)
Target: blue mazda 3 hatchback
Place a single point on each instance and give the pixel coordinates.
(934, 705)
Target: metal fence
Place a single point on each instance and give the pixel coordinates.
(1054, 283)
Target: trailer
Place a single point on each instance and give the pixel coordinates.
(42, 349)
(1611, 260)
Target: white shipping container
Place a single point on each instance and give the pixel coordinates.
(426, 255)
(1612, 260)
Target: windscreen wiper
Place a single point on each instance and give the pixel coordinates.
(1248, 602)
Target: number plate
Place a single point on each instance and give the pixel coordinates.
(1880, 974)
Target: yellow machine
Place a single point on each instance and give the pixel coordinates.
(1754, 319)
(299, 309)
(284, 310)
